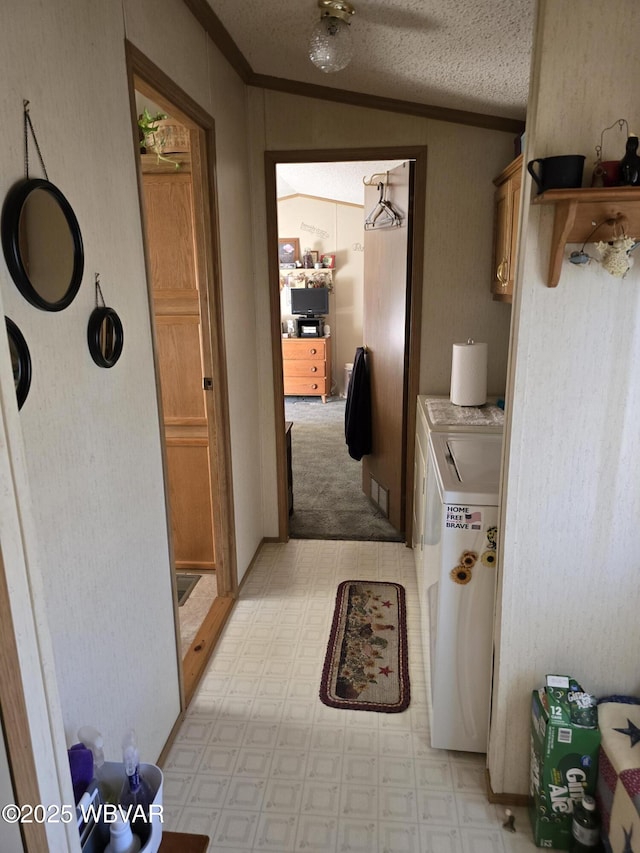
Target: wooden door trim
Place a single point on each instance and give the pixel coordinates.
(14, 722)
(204, 642)
(418, 153)
(147, 78)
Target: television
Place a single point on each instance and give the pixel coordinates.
(309, 301)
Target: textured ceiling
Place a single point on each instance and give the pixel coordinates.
(337, 181)
(469, 55)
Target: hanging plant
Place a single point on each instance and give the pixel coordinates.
(151, 138)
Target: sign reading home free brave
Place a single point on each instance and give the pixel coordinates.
(463, 518)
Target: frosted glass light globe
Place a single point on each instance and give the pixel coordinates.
(330, 48)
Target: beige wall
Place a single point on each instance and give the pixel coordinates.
(570, 598)
(344, 226)
(84, 533)
(90, 436)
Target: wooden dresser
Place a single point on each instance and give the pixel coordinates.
(306, 367)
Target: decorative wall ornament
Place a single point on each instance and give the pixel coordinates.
(41, 237)
(615, 254)
(105, 335)
(606, 173)
(614, 257)
(313, 229)
(20, 361)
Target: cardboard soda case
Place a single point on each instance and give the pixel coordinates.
(564, 757)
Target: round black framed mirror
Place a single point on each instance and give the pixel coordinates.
(42, 244)
(105, 336)
(20, 361)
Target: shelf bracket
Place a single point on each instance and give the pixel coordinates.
(580, 212)
(565, 216)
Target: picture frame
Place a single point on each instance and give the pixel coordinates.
(288, 252)
(328, 261)
(314, 256)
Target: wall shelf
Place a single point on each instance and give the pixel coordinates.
(295, 277)
(578, 210)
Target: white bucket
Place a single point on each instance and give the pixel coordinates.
(348, 370)
(113, 777)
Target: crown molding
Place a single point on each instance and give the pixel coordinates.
(214, 28)
(393, 105)
(212, 25)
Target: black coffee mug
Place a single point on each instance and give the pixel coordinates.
(557, 173)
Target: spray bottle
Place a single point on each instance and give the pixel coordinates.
(122, 840)
(135, 792)
(92, 739)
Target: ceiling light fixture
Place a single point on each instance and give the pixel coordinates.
(330, 47)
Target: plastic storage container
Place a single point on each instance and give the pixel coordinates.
(94, 837)
(348, 370)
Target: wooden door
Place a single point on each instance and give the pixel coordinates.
(180, 329)
(385, 313)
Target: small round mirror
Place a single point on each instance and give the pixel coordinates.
(20, 361)
(105, 336)
(42, 244)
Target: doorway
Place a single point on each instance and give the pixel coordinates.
(321, 214)
(410, 333)
(177, 192)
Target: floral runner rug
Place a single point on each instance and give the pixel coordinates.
(366, 667)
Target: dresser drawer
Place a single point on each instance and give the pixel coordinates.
(309, 350)
(301, 386)
(305, 367)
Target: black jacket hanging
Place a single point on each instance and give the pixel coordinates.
(357, 415)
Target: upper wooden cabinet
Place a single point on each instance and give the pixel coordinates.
(505, 234)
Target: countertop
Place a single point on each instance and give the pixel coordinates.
(441, 412)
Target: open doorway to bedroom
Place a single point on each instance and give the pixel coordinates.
(321, 240)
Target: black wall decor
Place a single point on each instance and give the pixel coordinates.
(104, 332)
(105, 336)
(42, 244)
(20, 361)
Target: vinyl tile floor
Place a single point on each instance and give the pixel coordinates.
(260, 764)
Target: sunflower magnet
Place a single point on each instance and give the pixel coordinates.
(461, 574)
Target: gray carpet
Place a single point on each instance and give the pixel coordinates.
(328, 501)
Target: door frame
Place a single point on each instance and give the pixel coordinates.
(415, 266)
(150, 80)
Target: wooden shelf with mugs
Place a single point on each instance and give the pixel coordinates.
(582, 214)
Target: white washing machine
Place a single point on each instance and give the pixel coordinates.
(438, 414)
(459, 583)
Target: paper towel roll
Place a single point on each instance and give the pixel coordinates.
(469, 374)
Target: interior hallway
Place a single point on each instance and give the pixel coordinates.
(260, 763)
